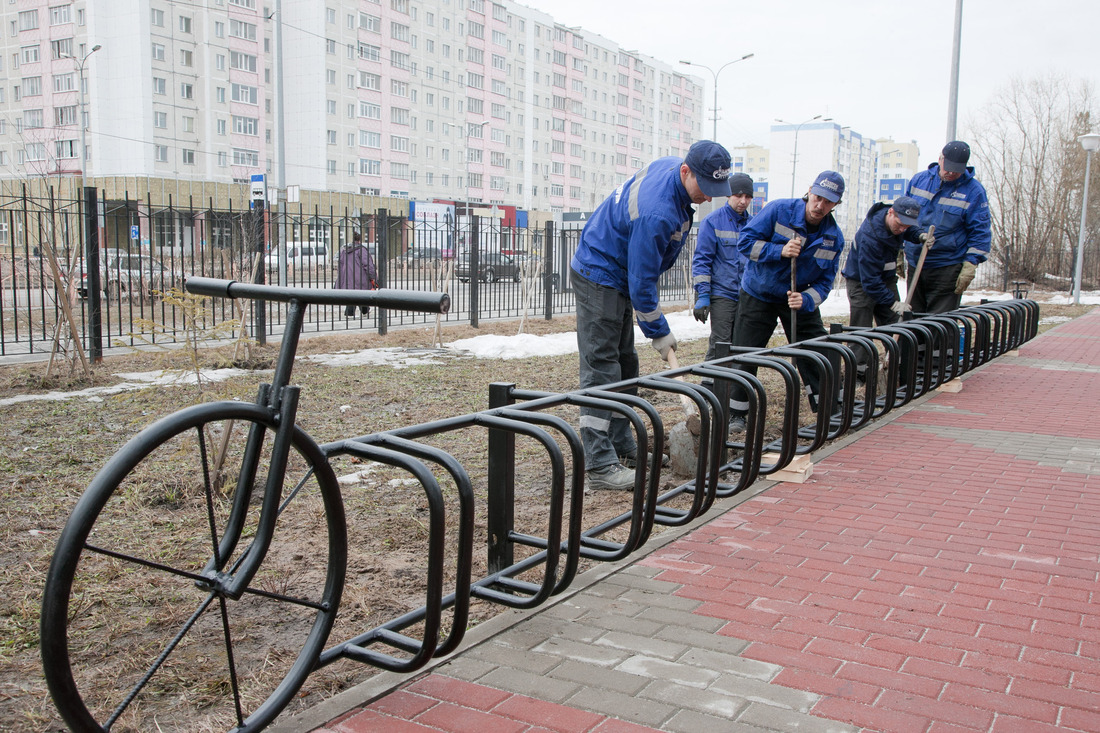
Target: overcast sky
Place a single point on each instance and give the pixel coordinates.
(879, 66)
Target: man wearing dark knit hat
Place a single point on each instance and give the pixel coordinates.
(718, 264)
(955, 202)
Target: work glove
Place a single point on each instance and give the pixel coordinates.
(929, 239)
(901, 307)
(665, 344)
(702, 308)
(966, 275)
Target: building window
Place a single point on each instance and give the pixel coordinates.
(246, 125)
(186, 57)
(160, 153)
(159, 85)
(28, 21)
(246, 157)
(370, 23)
(158, 52)
(62, 48)
(28, 55)
(244, 93)
(160, 119)
(370, 81)
(64, 82)
(368, 52)
(187, 91)
(188, 157)
(65, 116)
(185, 24)
(399, 116)
(61, 14)
(35, 151)
(32, 86)
(370, 110)
(240, 29)
(370, 167)
(33, 119)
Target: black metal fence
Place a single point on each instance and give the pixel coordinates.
(141, 252)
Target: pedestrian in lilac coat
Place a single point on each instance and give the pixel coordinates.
(356, 271)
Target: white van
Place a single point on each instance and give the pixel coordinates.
(299, 255)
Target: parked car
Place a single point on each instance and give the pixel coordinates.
(422, 256)
(125, 273)
(299, 255)
(492, 266)
(532, 265)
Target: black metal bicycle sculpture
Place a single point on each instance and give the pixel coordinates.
(262, 574)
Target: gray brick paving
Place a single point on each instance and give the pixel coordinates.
(770, 717)
(700, 701)
(598, 678)
(628, 707)
(539, 686)
(1077, 455)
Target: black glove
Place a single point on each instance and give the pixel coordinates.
(702, 308)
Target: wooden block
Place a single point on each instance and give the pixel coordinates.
(797, 471)
(955, 385)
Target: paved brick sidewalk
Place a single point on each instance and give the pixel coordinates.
(938, 573)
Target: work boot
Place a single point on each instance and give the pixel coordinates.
(738, 424)
(631, 459)
(615, 477)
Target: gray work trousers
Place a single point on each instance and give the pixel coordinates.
(605, 339)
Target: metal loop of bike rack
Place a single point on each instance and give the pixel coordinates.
(913, 357)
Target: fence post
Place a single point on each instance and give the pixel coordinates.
(548, 272)
(91, 265)
(475, 266)
(382, 229)
(259, 307)
(501, 490)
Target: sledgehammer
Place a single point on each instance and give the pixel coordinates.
(912, 287)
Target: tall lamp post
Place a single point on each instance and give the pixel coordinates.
(83, 125)
(1090, 143)
(715, 75)
(797, 128)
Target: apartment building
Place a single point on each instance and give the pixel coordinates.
(897, 163)
(800, 152)
(423, 99)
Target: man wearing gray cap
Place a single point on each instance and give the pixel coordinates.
(717, 266)
(954, 202)
(870, 272)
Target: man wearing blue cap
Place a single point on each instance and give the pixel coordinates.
(805, 232)
(717, 266)
(636, 234)
(870, 272)
(955, 202)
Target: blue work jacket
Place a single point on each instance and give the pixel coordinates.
(873, 258)
(718, 265)
(960, 212)
(635, 235)
(768, 274)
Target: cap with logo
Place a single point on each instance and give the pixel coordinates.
(710, 163)
(956, 155)
(906, 209)
(740, 184)
(828, 185)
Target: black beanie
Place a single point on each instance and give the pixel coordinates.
(740, 183)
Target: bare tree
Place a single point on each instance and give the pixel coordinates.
(1028, 158)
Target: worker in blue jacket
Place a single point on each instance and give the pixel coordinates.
(870, 272)
(802, 230)
(632, 237)
(955, 202)
(717, 265)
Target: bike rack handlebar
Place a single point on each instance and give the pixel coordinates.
(411, 300)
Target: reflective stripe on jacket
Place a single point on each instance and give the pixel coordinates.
(960, 212)
(718, 264)
(768, 273)
(635, 235)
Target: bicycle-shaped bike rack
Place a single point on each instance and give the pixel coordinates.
(243, 582)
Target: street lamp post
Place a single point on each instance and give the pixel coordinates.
(83, 125)
(715, 75)
(794, 157)
(1090, 143)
